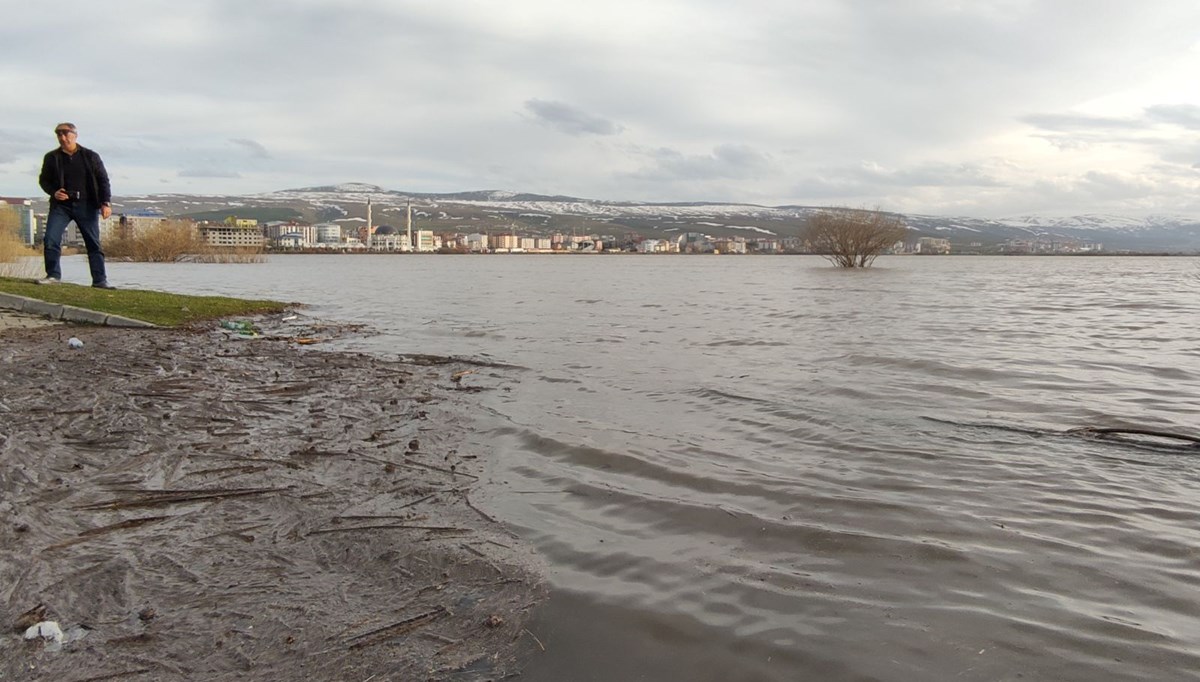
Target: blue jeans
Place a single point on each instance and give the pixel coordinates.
(87, 218)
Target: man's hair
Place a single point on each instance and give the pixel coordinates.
(69, 126)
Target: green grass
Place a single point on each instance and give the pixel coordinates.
(161, 308)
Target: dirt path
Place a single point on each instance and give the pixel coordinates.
(10, 319)
(200, 508)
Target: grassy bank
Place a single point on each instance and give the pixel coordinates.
(169, 310)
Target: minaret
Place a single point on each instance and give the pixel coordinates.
(368, 223)
(409, 226)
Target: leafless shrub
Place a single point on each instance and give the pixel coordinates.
(175, 241)
(167, 242)
(853, 238)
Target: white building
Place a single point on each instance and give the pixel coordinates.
(27, 227)
(424, 241)
(933, 245)
(653, 246)
(297, 234)
(232, 236)
(734, 245)
(329, 233)
(387, 238)
(477, 242)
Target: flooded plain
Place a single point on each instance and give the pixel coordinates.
(765, 468)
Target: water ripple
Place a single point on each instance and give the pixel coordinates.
(769, 469)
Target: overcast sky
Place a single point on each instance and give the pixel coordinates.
(980, 108)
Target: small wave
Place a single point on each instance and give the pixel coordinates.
(727, 396)
(745, 342)
(1134, 437)
(557, 380)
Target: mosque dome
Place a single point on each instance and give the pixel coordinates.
(385, 229)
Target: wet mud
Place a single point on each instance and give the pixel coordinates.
(193, 505)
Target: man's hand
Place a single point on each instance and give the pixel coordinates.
(61, 195)
(105, 211)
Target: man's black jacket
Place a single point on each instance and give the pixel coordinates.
(51, 178)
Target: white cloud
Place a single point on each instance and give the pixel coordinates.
(930, 106)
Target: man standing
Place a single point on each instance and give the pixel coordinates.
(77, 183)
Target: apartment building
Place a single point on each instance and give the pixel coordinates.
(27, 224)
(232, 236)
(425, 241)
(291, 233)
(933, 245)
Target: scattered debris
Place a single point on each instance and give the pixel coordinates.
(396, 629)
(535, 638)
(182, 486)
(240, 326)
(153, 498)
(47, 630)
(1139, 436)
(30, 618)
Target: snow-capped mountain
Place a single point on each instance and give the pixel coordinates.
(493, 210)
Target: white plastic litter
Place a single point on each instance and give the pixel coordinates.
(47, 630)
(74, 342)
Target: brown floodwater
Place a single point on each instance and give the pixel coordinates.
(764, 468)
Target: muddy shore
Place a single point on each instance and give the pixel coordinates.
(189, 506)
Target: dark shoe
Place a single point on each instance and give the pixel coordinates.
(103, 285)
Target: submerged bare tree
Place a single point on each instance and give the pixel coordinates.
(851, 237)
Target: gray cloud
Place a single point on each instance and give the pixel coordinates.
(569, 119)
(9, 152)
(255, 149)
(1076, 122)
(728, 161)
(1110, 186)
(1186, 115)
(18, 145)
(1068, 143)
(203, 172)
(869, 182)
(930, 174)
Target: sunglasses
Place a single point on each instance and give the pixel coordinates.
(61, 133)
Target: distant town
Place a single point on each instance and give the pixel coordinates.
(356, 235)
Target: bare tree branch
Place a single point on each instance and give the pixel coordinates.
(853, 238)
